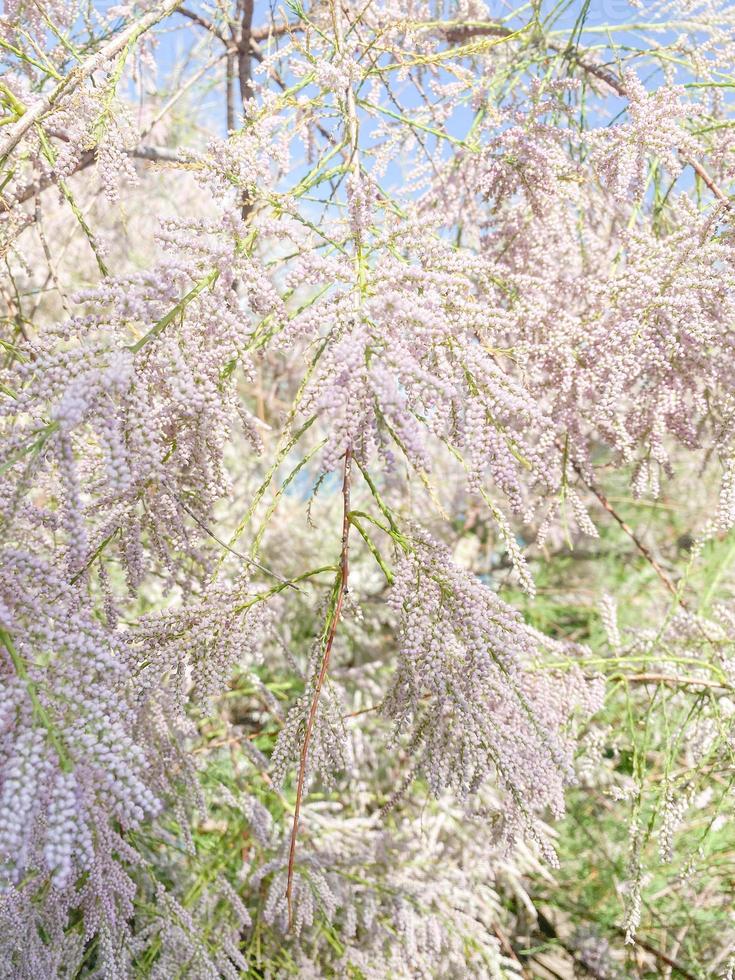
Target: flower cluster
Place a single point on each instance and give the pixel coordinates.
(463, 691)
(71, 762)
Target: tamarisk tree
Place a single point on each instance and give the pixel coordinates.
(326, 327)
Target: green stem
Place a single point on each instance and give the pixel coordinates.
(39, 711)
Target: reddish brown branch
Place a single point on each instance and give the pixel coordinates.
(196, 18)
(344, 572)
(627, 529)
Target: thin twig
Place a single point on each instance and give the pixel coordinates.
(549, 929)
(674, 680)
(660, 956)
(223, 544)
(202, 22)
(644, 550)
(508, 948)
(50, 261)
(627, 529)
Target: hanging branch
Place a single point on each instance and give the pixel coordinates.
(343, 579)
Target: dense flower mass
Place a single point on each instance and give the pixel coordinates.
(330, 331)
(460, 685)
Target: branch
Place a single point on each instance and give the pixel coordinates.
(626, 528)
(245, 76)
(244, 62)
(156, 154)
(674, 680)
(81, 73)
(202, 22)
(549, 929)
(642, 548)
(229, 82)
(344, 572)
